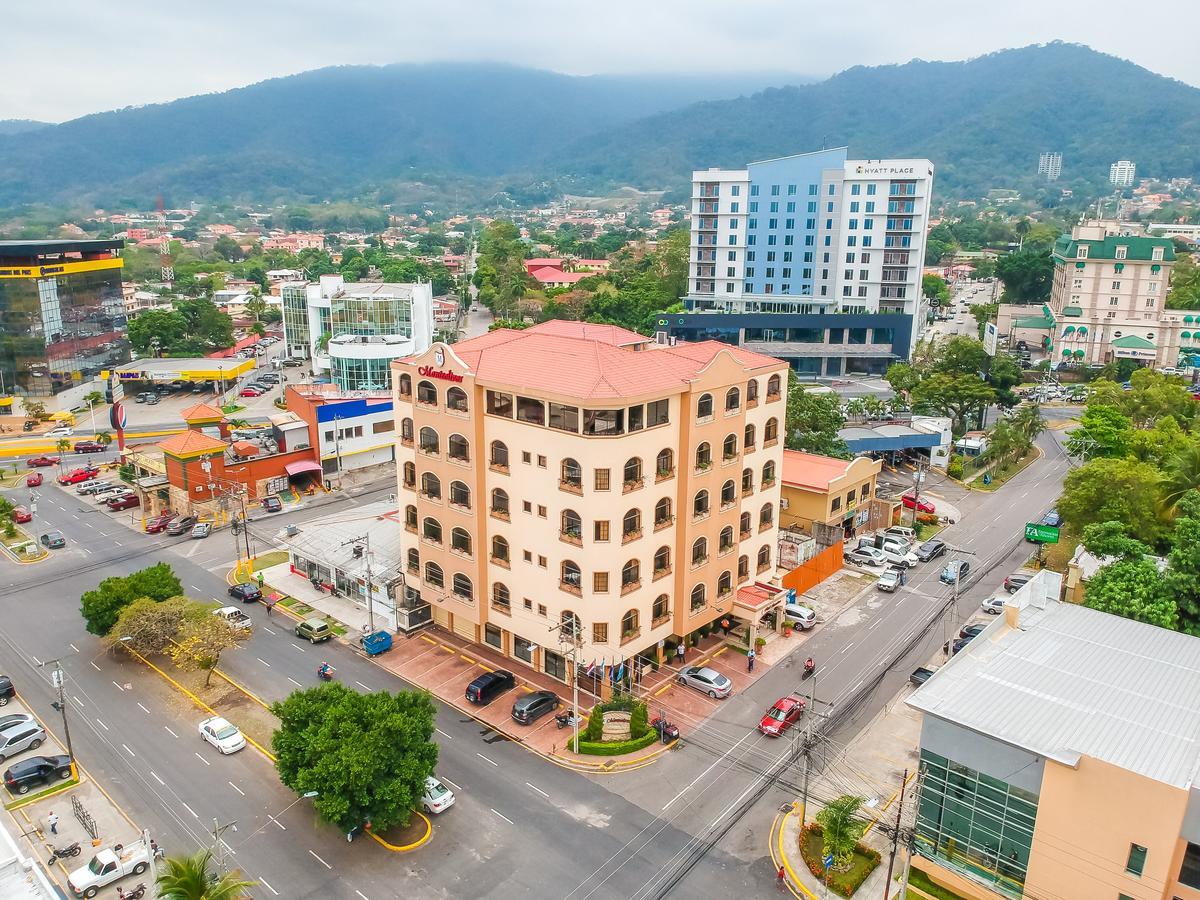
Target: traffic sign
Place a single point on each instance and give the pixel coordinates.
(56, 678)
(1041, 534)
(828, 860)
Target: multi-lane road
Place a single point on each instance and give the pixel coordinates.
(693, 823)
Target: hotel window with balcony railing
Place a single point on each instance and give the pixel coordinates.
(463, 588)
(664, 465)
(414, 561)
(460, 495)
(747, 481)
(431, 530)
(427, 394)
(631, 526)
(632, 474)
(699, 598)
(728, 494)
(431, 486)
(571, 529)
(498, 457)
(725, 584)
(766, 516)
(429, 442)
(773, 388)
(743, 570)
(406, 432)
(433, 575)
(570, 476)
(570, 577)
(460, 541)
(700, 505)
(729, 448)
(726, 541)
(631, 576)
(458, 449)
(410, 475)
(456, 399)
(662, 562)
(660, 611)
(501, 599)
(744, 529)
(405, 385)
(410, 518)
(764, 557)
(662, 513)
(500, 504)
(500, 551)
(749, 438)
(630, 627)
(699, 551)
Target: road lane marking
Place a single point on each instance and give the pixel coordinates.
(196, 589)
(270, 630)
(844, 649)
(94, 666)
(238, 789)
(295, 682)
(485, 759)
(189, 809)
(118, 687)
(538, 789)
(73, 647)
(118, 543)
(170, 732)
(77, 700)
(321, 861)
(102, 725)
(443, 734)
(38, 661)
(298, 647)
(361, 685)
(263, 661)
(501, 815)
(277, 822)
(451, 783)
(705, 772)
(360, 893)
(156, 778)
(268, 887)
(87, 550)
(130, 752)
(202, 759)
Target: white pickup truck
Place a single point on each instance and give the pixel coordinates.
(108, 866)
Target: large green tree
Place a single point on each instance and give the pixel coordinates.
(1103, 431)
(1185, 284)
(935, 289)
(1027, 275)
(812, 421)
(1118, 490)
(1132, 588)
(367, 755)
(102, 606)
(1183, 576)
(1182, 476)
(956, 396)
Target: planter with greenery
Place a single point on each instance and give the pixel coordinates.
(836, 832)
(591, 740)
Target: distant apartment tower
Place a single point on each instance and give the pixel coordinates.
(1050, 165)
(1122, 173)
(780, 245)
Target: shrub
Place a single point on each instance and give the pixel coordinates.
(614, 748)
(956, 466)
(638, 721)
(843, 883)
(595, 725)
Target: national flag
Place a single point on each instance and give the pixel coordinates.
(591, 669)
(621, 674)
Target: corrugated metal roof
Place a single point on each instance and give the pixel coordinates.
(1072, 682)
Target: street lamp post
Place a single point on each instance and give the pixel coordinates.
(58, 679)
(561, 627)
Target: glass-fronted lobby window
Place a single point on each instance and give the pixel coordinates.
(806, 335)
(807, 365)
(884, 335)
(294, 301)
(372, 316)
(975, 823)
(857, 336)
(361, 374)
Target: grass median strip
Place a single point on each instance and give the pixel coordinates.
(40, 795)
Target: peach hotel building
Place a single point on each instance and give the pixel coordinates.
(584, 475)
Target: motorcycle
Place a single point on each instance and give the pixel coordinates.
(808, 670)
(136, 894)
(567, 719)
(57, 853)
(325, 673)
(666, 731)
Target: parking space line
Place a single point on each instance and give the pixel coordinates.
(277, 822)
(268, 887)
(443, 734)
(295, 682)
(238, 789)
(467, 658)
(663, 688)
(170, 732)
(361, 685)
(504, 817)
(270, 630)
(144, 709)
(485, 759)
(102, 725)
(538, 789)
(321, 861)
(263, 661)
(156, 778)
(202, 759)
(130, 752)
(94, 666)
(451, 783)
(73, 647)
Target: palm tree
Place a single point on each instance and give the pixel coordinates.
(840, 829)
(1022, 228)
(1029, 423)
(1183, 474)
(63, 446)
(190, 878)
(104, 437)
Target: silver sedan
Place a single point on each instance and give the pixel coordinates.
(706, 681)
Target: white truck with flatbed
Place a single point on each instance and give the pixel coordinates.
(107, 866)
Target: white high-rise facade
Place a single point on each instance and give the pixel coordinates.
(1050, 165)
(1122, 173)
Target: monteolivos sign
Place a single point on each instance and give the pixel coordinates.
(436, 371)
(616, 725)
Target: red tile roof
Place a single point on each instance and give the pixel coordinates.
(201, 411)
(591, 362)
(539, 262)
(190, 442)
(551, 275)
(808, 470)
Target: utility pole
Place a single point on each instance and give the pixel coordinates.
(911, 841)
(918, 478)
(811, 740)
(58, 679)
(337, 447)
(887, 882)
(218, 845)
(573, 627)
(362, 547)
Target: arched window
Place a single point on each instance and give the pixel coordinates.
(664, 465)
(729, 448)
(662, 606)
(744, 524)
(414, 560)
(764, 557)
(460, 540)
(456, 399)
(499, 455)
(410, 475)
(460, 494)
(463, 587)
(631, 573)
(770, 431)
(699, 551)
(747, 481)
(766, 515)
(773, 384)
(406, 385)
(458, 448)
(410, 517)
(431, 529)
(571, 474)
(499, 501)
(406, 430)
(429, 440)
(725, 584)
(570, 574)
(699, 597)
(633, 471)
(751, 390)
(704, 407)
(433, 574)
(500, 549)
(733, 400)
(662, 511)
(743, 567)
(662, 560)
(703, 456)
(700, 504)
(569, 625)
(426, 393)
(629, 623)
(768, 475)
(726, 543)
(748, 440)
(431, 486)
(501, 596)
(631, 524)
(572, 525)
(728, 493)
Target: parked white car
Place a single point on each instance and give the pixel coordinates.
(437, 797)
(222, 734)
(897, 557)
(993, 605)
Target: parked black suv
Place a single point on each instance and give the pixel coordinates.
(36, 770)
(247, 593)
(490, 685)
(7, 691)
(531, 707)
(931, 549)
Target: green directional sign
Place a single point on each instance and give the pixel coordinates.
(1041, 534)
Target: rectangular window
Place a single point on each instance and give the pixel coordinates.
(774, 190)
(526, 457)
(603, 421)
(851, 241)
(870, 190)
(541, 461)
(855, 189)
(791, 207)
(601, 481)
(542, 561)
(866, 240)
(1189, 870)
(732, 256)
(530, 410)
(837, 335)
(499, 404)
(733, 207)
(657, 412)
(812, 190)
(870, 206)
(733, 223)
(732, 240)
(789, 223)
(600, 530)
(773, 223)
(791, 190)
(527, 505)
(541, 511)
(735, 190)
(541, 612)
(564, 418)
(1137, 859)
(599, 632)
(754, 190)
(854, 206)
(635, 418)
(774, 207)
(600, 582)
(528, 558)
(787, 257)
(771, 240)
(788, 240)
(383, 427)
(1116, 285)
(753, 207)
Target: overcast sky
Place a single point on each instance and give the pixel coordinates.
(89, 57)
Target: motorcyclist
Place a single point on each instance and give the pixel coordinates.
(809, 665)
(325, 670)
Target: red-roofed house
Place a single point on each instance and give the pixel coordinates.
(835, 492)
(584, 473)
(541, 262)
(550, 277)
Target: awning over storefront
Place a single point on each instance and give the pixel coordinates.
(304, 465)
(150, 482)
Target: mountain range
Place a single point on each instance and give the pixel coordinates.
(372, 133)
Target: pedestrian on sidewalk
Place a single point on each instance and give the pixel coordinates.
(680, 652)
(725, 626)
(53, 820)
(260, 581)
(750, 655)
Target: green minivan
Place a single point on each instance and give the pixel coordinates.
(315, 630)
